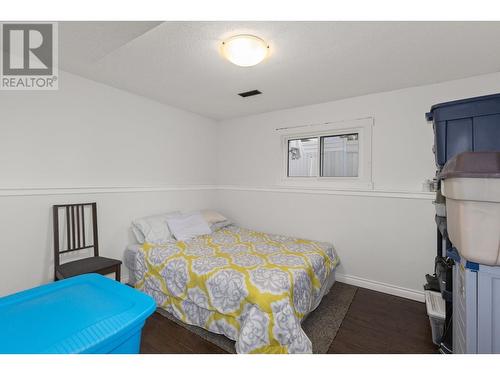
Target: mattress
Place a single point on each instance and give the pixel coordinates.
(253, 287)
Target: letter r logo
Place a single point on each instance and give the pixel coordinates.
(27, 49)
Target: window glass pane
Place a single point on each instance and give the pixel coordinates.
(340, 155)
(303, 157)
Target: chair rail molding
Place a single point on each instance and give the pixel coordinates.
(60, 190)
(381, 193)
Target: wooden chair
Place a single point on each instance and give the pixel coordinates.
(77, 239)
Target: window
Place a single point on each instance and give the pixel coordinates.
(303, 157)
(324, 156)
(338, 155)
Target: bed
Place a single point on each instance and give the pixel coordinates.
(253, 287)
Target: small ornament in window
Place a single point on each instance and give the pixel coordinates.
(295, 153)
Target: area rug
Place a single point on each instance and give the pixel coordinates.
(321, 326)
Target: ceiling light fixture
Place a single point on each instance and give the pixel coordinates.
(245, 50)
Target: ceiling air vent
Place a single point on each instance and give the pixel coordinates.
(249, 93)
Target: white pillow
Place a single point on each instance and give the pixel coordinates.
(187, 226)
(153, 229)
(220, 225)
(212, 217)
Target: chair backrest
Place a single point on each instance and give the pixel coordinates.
(76, 231)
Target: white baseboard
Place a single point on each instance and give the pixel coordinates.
(378, 286)
(368, 284)
(412, 294)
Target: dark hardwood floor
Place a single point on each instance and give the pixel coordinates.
(162, 336)
(375, 323)
(381, 323)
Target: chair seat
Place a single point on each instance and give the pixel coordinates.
(87, 265)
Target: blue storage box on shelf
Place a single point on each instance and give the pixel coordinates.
(83, 314)
(465, 125)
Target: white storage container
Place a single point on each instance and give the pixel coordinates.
(476, 308)
(436, 310)
(471, 185)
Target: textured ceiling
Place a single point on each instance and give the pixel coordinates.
(179, 63)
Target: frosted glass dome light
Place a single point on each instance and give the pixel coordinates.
(245, 50)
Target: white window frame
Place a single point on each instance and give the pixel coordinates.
(364, 129)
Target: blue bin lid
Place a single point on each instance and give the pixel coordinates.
(70, 316)
(464, 108)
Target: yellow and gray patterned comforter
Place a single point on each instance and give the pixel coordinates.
(253, 287)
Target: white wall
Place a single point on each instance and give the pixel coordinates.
(385, 238)
(26, 221)
(91, 135)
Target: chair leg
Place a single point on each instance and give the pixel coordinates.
(117, 273)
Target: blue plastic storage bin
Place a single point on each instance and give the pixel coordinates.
(465, 125)
(83, 314)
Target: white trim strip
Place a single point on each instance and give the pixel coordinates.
(394, 290)
(328, 123)
(7, 192)
(378, 286)
(362, 193)
(99, 190)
